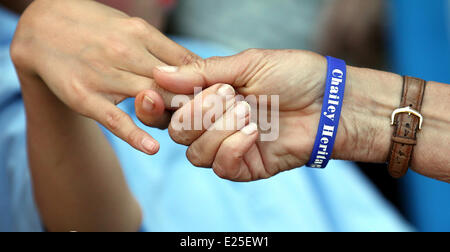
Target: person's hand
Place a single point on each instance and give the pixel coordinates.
(298, 78)
(237, 154)
(92, 57)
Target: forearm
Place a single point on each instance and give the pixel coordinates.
(78, 182)
(371, 97)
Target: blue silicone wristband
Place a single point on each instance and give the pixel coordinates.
(331, 113)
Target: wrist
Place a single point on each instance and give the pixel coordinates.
(365, 132)
(431, 156)
(40, 102)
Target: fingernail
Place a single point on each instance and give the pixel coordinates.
(243, 109)
(148, 104)
(149, 146)
(226, 91)
(168, 69)
(250, 129)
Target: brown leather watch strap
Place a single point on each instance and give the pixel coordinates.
(406, 127)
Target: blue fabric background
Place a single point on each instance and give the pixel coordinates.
(421, 47)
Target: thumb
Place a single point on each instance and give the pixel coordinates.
(204, 73)
(151, 111)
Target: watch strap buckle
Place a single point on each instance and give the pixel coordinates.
(407, 110)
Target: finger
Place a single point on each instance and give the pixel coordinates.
(121, 125)
(140, 62)
(203, 150)
(151, 111)
(144, 64)
(204, 73)
(131, 85)
(125, 55)
(238, 158)
(167, 50)
(189, 122)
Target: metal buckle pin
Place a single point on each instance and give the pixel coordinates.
(409, 111)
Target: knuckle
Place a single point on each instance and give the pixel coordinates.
(199, 65)
(117, 49)
(113, 120)
(232, 150)
(134, 137)
(220, 171)
(213, 59)
(251, 52)
(265, 176)
(255, 54)
(228, 172)
(235, 154)
(18, 53)
(188, 58)
(178, 131)
(179, 136)
(138, 26)
(77, 95)
(194, 155)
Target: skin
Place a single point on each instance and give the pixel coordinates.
(298, 77)
(76, 60)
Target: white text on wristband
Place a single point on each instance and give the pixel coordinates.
(331, 113)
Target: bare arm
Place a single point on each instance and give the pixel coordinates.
(77, 179)
(79, 58)
(373, 96)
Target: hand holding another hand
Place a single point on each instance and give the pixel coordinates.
(296, 77)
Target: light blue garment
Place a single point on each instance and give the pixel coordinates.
(421, 48)
(178, 197)
(17, 210)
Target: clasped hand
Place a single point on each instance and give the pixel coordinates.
(238, 153)
(94, 57)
